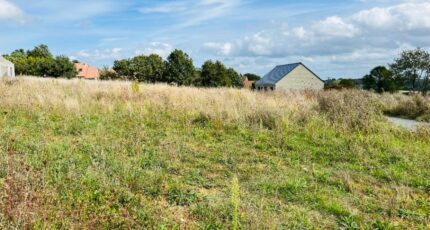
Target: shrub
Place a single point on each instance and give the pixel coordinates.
(108, 74)
(351, 109)
(415, 107)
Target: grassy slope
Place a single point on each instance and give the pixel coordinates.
(98, 155)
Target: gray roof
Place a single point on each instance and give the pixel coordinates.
(278, 73)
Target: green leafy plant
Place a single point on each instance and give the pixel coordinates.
(135, 87)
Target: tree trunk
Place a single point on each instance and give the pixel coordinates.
(425, 85)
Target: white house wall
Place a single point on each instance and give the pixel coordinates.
(7, 71)
(3, 71)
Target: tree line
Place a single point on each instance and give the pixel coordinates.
(40, 62)
(177, 69)
(410, 71)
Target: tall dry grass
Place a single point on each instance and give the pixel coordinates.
(415, 107)
(347, 109)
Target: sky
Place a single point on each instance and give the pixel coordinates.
(335, 38)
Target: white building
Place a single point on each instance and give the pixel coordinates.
(7, 68)
(294, 76)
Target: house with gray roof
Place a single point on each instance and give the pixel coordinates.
(294, 76)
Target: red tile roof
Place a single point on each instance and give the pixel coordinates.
(87, 72)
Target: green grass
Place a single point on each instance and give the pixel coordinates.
(145, 166)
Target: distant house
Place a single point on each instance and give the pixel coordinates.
(86, 71)
(247, 84)
(7, 68)
(290, 76)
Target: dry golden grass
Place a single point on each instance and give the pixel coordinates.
(227, 104)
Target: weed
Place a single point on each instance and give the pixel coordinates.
(135, 86)
(235, 202)
(180, 196)
(348, 223)
(380, 225)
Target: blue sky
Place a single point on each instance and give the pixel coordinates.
(335, 38)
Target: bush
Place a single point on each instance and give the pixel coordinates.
(108, 74)
(350, 109)
(416, 107)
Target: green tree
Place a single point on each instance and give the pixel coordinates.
(197, 77)
(252, 77)
(340, 84)
(40, 51)
(380, 79)
(347, 84)
(108, 74)
(155, 68)
(63, 67)
(43, 67)
(122, 68)
(411, 67)
(214, 74)
(179, 69)
(369, 82)
(141, 68)
(40, 62)
(236, 80)
(426, 82)
(147, 69)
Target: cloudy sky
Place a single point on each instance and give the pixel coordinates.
(335, 38)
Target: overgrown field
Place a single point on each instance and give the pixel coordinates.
(102, 155)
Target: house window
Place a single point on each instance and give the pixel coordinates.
(80, 70)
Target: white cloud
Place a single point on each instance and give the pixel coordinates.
(97, 54)
(192, 13)
(170, 7)
(406, 16)
(9, 11)
(220, 48)
(49, 11)
(335, 27)
(360, 41)
(335, 35)
(301, 33)
(279, 41)
(162, 49)
(376, 17)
